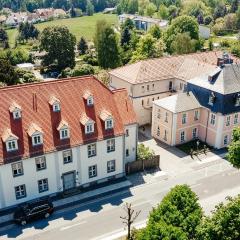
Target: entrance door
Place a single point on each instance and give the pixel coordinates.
(69, 181)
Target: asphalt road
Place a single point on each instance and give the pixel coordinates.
(100, 219)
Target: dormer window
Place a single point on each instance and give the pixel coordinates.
(63, 129)
(89, 98)
(88, 123)
(15, 109)
(237, 100)
(55, 103)
(35, 132)
(211, 99)
(107, 118)
(10, 140)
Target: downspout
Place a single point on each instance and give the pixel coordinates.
(207, 127)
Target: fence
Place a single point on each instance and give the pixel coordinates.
(141, 165)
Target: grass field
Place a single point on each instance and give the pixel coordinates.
(81, 26)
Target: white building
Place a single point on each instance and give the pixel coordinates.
(59, 135)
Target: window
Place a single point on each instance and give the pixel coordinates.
(235, 118)
(111, 145)
(194, 133)
(67, 156)
(64, 133)
(165, 135)
(43, 185)
(158, 131)
(237, 100)
(127, 152)
(56, 107)
(17, 114)
(127, 133)
(148, 101)
(17, 169)
(92, 150)
(211, 98)
(40, 163)
(184, 118)
(170, 85)
(12, 145)
(90, 101)
(225, 140)
(196, 115)
(147, 87)
(213, 119)
(20, 191)
(92, 171)
(37, 139)
(111, 166)
(152, 86)
(89, 128)
(228, 120)
(181, 86)
(166, 117)
(108, 124)
(159, 114)
(142, 102)
(182, 136)
(142, 89)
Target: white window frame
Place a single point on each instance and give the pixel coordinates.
(89, 128)
(166, 117)
(17, 114)
(92, 150)
(20, 191)
(182, 136)
(64, 133)
(90, 101)
(56, 107)
(196, 115)
(12, 145)
(235, 121)
(213, 119)
(109, 124)
(40, 163)
(39, 139)
(159, 114)
(195, 133)
(92, 171)
(17, 169)
(67, 156)
(43, 185)
(184, 118)
(110, 145)
(228, 121)
(225, 140)
(111, 166)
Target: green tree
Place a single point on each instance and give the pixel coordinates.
(27, 31)
(150, 9)
(144, 153)
(89, 9)
(84, 69)
(176, 217)
(8, 75)
(234, 149)
(224, 222)
(155, 31)
(4, 38)
(163, 11)
(82, 46)
(182, 24)
(183, 44)
(59, 44)
(132, 6)
(106, 43)
(128, 23)
(125, 37)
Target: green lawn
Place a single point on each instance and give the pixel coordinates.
(81, 26)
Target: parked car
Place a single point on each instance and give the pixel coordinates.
(33, 210)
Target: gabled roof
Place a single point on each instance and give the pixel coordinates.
(7, 134)
(14, 106)
(63, 124)
(34, 128)
(104, 115)
(87, 94)
(85, 119)
(34, 101)
(180, 102)
(183, 67)
(53, 100)
(226, 80)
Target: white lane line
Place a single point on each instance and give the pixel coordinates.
(72, 226)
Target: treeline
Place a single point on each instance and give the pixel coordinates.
(31, 5)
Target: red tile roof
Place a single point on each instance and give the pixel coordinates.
(34, 102)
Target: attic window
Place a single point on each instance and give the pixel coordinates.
(89, 128)
(15, 109)
(10, 140)
(63, 129)
(108, 124)
(211, 98)
(89, 98)
(90, 101)
(237, 100)
(35, 132)
(88, 123)
(107, 118)
(55, 103)
(56, 107)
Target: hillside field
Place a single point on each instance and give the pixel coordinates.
(80, 26)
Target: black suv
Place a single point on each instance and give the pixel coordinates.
(33, 210)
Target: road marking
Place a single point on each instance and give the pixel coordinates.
(72, 226)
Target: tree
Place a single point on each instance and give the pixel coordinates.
(130, 218)
(89, 9)
(84, 69)
(125, 37)
(220, 10)
(3, 38)
(144, 153)
(72, 12)
(82, 46)
(7, 73)
(182, 24)
(59, 44)
(176, 217)
(107, 46)
(128, 23)
(132, 6)
(183, 44)
(223, 223)
(155, 31)
(230, 21)
(234, 6)
(234, 149)
(163, 11)
(151, 9)
(27, 31)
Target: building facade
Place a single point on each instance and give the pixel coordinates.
(60, 135)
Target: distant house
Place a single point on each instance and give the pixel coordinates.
(16, 18)
(59, 12)
(143, 23)
(109, 10)
(33, 18)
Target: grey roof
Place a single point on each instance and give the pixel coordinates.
(226, 80)
(179, 103)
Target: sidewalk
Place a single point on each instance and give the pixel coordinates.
(7, 219)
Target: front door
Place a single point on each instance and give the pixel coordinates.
(69, 181)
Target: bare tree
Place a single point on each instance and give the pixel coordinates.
(130, 218)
